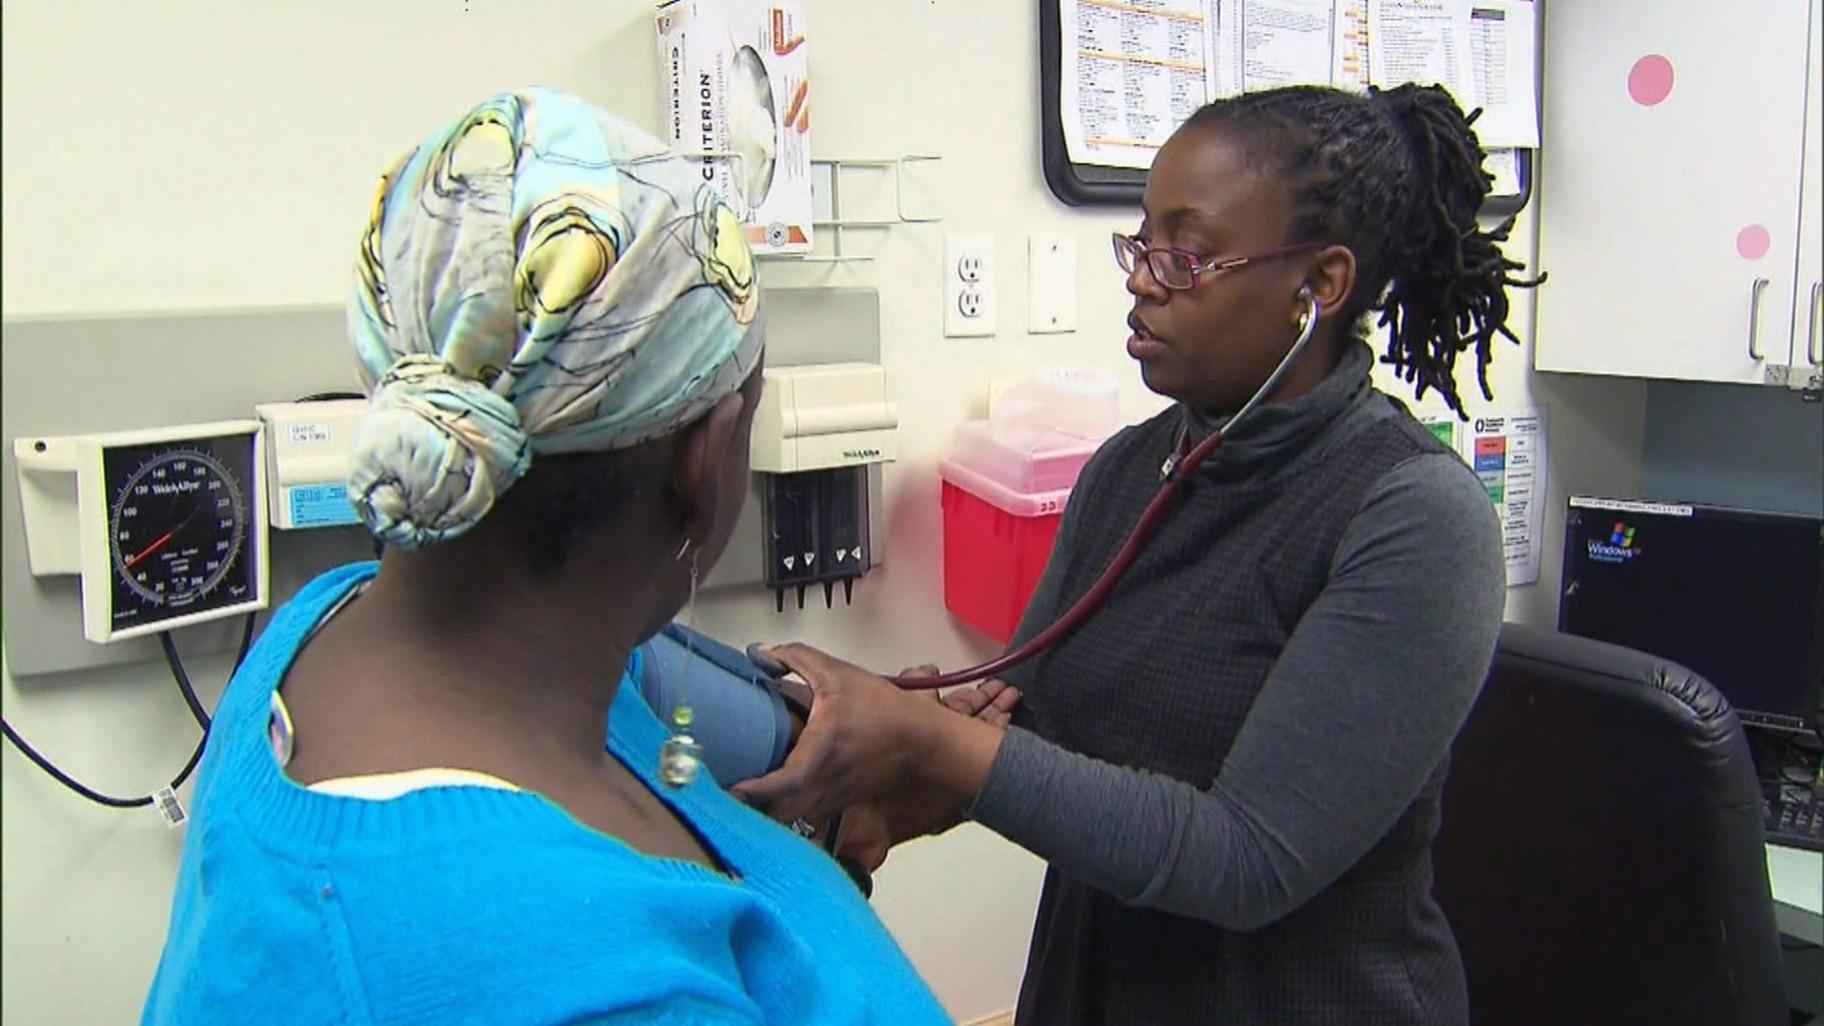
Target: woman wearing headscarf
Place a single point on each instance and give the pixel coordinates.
(406, 812)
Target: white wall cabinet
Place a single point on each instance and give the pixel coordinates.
(1670, 180)
(1808, 295)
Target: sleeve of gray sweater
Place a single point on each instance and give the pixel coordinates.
(1351, 722)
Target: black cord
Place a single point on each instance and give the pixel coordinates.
(1788, 753)
(93, 795)
(240, 653)
(62, 778)
(183, 680)
(196, 756)
(176, 662)
(190, 699)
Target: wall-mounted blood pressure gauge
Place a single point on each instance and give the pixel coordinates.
(179, 535)
(169, 525)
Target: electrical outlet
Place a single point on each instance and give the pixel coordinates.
(969, 285)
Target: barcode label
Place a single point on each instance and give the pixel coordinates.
(169, 807)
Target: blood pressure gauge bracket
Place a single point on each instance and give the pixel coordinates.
(166, 526)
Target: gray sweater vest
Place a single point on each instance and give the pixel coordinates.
(1161, 678)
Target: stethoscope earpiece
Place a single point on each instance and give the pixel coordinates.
(1308, 321)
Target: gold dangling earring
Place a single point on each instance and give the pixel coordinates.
(681, 756)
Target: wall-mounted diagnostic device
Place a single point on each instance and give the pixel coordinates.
(817, 430)
(167, 527)
(307, 452)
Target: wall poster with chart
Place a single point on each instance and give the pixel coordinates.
(1118, 76)
(1507, 451)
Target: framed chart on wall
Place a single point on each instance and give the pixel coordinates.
(1079, 175)
(1116, 77)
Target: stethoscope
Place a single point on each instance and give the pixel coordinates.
(1178, 466)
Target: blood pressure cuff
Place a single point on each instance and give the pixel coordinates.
(740, 719)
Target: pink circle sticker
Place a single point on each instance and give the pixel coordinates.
(1650, 80)
(1753, 242)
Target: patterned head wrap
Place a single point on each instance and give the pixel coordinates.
(538, 277)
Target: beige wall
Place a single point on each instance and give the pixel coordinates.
(191, 155)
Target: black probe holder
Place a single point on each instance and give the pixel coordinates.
(816, 532)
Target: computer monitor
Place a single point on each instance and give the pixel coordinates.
(1736, 595)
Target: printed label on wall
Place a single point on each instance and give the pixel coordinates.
(307, 434)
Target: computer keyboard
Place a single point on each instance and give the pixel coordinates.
(1795, 817)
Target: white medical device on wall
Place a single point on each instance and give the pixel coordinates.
(816, 431)
(166, 527)
(822, 416)
(307, 451)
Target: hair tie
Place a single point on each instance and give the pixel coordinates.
(433, 453)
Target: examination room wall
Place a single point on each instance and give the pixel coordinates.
(195, 156)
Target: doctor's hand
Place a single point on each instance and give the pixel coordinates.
(873, 828)
(867, 739)
(991, 701)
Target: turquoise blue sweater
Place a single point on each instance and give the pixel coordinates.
(470, 905)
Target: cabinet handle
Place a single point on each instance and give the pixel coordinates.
(1754, 319)
(1813, 351)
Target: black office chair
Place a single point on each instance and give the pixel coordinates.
(1601, 856)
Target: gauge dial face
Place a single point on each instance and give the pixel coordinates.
(180, 540)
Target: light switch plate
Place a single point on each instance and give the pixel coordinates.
(1051, 281)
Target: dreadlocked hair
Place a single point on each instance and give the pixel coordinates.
(1395, 175)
